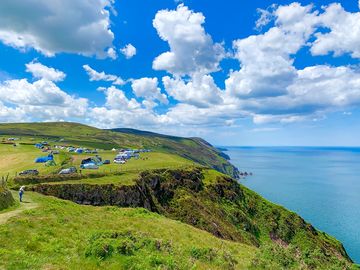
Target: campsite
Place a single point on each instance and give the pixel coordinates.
(14, 160)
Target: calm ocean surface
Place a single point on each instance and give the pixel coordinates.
(321, 184)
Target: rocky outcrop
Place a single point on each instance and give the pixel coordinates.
(99, 195)
(151, 191)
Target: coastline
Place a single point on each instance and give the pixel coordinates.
(310, 181)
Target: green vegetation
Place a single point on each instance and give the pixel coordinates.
(6, 198)
(63, 235)
(222, 207)
(169, 209)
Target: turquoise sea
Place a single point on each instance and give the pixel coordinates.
(322, 184)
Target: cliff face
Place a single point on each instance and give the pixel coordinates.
(221, 207)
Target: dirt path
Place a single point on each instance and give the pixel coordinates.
(27, 204)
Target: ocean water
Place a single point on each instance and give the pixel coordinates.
(322, 184)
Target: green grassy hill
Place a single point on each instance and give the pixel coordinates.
(193, 149)
(63, 235)
(169, 209)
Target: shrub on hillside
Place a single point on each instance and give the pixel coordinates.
(104, 245)
(6, 198)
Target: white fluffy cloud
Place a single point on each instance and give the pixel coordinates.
(121, 111)
(266, 59)
(41, 99)
(344, 32)
(148, 88)
(191, 48)
(102, 76)
(116, 99)
(50, 27)
(9, 115)
(325, 87)
(39, 71)
(128, 51)
(316, 89)
(269, 88)
(200, 91)
(111, 52)
(193, 55)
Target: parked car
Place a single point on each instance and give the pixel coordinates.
(119, 161)
(29, 172)
(68, 170)
(106, 162)
(89, 166)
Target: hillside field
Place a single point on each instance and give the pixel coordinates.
(13, 160)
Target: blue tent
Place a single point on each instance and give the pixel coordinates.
(38, 145)
(44, 159)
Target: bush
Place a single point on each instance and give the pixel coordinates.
(104, 244)
(6, 198)
(126, 247)
(207, 254)
(101, 249)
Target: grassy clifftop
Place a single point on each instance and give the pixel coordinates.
(193, 149)
(217, 204)
(62, 235)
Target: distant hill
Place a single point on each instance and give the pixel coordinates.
(194, 149)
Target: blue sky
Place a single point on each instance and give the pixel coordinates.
(235, 72)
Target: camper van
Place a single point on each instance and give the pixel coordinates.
(29, 172)
(68, 170)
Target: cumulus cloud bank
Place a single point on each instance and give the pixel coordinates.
(39, 100)
(266, 85)
(50, 27)
(191, 48)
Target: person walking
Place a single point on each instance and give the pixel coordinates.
(21, 192)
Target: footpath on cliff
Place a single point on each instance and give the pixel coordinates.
(27, 204)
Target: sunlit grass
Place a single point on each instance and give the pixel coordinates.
(56, 236)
